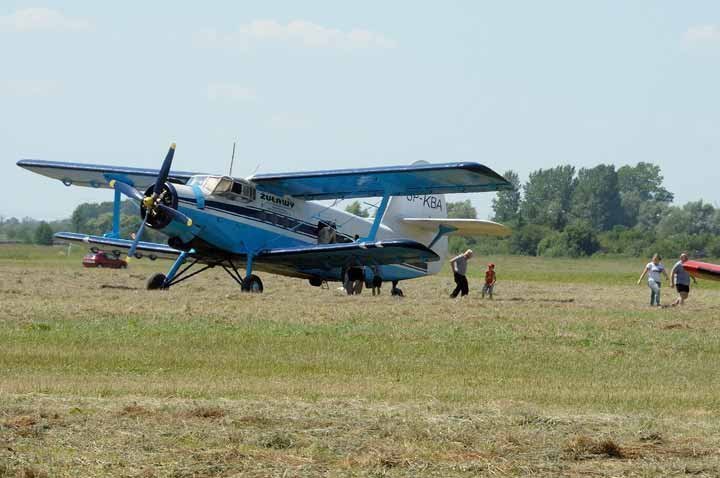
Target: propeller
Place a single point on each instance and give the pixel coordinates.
(154, 200)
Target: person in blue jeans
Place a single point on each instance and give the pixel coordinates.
(654, 269)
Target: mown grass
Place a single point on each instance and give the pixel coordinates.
(554, 377)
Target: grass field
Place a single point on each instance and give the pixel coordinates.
(566, 373)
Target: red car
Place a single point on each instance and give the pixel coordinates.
(104, 259)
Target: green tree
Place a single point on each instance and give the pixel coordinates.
(639, 185)
(694, 218)
(43, 234)
(548, 196)
(596, 198)
(356, 209)
(461, 210)
(506, 204)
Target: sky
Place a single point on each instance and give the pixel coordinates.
(311, 85)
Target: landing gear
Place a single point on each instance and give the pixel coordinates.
(156, 281)
(252, 284)
(396, 291)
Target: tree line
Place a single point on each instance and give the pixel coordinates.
(564, 212)
(87, 218)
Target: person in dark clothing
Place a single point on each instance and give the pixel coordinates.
(354, 278)
(459, 267)
(680, 279)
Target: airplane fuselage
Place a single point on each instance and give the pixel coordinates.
(243, 226)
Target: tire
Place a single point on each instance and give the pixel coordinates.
(397, 292)
(123, 266)
(156, 281)
(252, 284)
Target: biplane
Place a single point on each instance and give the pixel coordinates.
(276, 223)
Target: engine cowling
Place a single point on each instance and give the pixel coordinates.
(157, 219)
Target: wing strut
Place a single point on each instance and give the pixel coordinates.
(115, 234)
(378, 219)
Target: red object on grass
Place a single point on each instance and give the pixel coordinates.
(103, 259)
(702, 270)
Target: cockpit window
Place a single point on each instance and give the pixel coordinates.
(225, 186)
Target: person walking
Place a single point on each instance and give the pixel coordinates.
(376, 280)
(680, 279)
(490, 279)
(459, 267)
(653, 269)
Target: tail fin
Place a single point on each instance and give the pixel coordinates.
(425, 206)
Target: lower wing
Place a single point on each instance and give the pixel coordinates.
(150, 250)
(321, 256)
(329, 256)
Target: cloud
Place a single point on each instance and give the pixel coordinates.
(230, 92)
(29, 88)
(703, 34)
(42, 19)
(295, 32)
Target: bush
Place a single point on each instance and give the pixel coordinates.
(577, 240)
(525, 239)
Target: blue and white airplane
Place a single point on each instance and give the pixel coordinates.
(272, 222)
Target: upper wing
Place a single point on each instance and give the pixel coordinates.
(97, 175)
(327, 256)
(466, 227)
(150, 250)
(392, 181)
(331, 184)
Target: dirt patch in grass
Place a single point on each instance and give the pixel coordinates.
(134, 410)
(208, 412)
(584, 447)
(20, 422)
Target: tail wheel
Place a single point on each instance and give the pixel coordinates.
(252, 284)
(156, 281)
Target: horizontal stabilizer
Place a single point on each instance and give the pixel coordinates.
(464, 227)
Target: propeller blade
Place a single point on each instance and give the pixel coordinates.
(138, 235)
(127, 190)
(175, 214)
(164, 170)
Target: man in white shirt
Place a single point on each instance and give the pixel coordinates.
(459, 267)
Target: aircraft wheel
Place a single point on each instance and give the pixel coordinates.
(396, 292)
(252, 284)
(156, 281)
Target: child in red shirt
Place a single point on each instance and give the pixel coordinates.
(489, 281)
